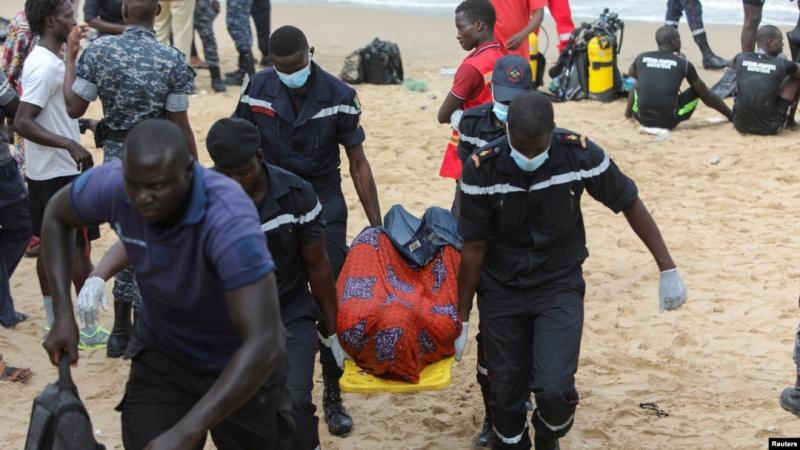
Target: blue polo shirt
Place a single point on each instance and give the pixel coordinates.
(306, 143)
(184, 271)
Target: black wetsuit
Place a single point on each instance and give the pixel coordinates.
(658, 100)
(758, 107)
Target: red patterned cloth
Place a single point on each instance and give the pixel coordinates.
(394, 318)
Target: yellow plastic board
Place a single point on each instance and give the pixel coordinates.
(435, 376)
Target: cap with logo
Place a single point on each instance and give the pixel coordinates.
(511, 77)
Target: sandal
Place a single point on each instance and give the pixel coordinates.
(14, 374)
(18, 318)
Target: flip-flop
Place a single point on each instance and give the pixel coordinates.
(18, 318)
(14, 374)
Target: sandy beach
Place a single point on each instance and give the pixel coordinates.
(717, 365)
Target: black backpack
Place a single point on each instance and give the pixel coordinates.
(59, 420)
(377, 63)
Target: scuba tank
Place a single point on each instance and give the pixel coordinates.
(533, 46)
(600, 55)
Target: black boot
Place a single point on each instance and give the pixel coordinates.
(121, 332)
(216, 80)
(710, 59)
(339, 422)
(266, 61)
(247, 66)
(545, 444)
(484, 438)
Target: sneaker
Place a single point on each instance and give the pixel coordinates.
(790, 400)
(93, 338)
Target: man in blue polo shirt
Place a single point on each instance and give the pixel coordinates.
(209, 353)
(304, 114)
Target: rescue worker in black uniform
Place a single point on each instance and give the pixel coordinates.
(291, 218)
(524, 245)
(304, 114)
(656, 100)
(767, 86)
(478, 126)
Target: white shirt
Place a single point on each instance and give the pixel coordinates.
(42, 85)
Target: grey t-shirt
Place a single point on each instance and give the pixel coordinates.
(7, 95)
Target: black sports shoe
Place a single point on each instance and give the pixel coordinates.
(790, 400)
(712, 61)
(540, 443)
(484, 438)
(339, 422)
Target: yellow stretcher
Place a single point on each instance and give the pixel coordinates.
(434, 377)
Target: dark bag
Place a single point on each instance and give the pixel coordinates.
(353, 70)
(382, 63)
(59, 420)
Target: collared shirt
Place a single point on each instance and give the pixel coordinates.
(306, 144)
(472, 81)
(476, 129)
(135, 76)
(532, 221)
(184, 271)
(291, 217)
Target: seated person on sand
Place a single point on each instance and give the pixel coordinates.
(767, 86)
(656, 100)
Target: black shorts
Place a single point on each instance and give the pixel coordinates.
(753, 2)
(40, 192)
(772, 124)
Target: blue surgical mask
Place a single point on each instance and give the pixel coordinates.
(297, 79)
(522, 161)
(500, 111)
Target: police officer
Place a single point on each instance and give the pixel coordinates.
(480, 125)
(767, 86)
(304, 114)
(237, 19)
(524, 244)
(204, 14)
(291, 219)
(136, 78)
(656, 100)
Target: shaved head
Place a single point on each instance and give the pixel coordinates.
(667, 37)
(770, 39)
(158, 170)
(140, 12)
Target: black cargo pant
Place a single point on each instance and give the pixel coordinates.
(532, 342)
(301, 352)
(334, 213)
(160, 391)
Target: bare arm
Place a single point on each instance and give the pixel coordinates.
(631, 94)
(361, 172)
(106, 27)
(255, 313)
(76, 106)
(711, 99)
(473, 254)
(26, 125)
(114, 261)
(58, 245)
(645, 227)
(522, 35)
(182, 120)
(320, 278)
(450, 104)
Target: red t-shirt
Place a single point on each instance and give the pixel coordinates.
(468, 82)
(512, 17)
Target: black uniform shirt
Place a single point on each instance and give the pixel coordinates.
(476, 129)
(291, 217)
(532, 220)
(660, 75)
(108, 10)
(758, 81)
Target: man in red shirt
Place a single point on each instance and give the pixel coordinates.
(562, 15)
(516, 19)
(475, 24)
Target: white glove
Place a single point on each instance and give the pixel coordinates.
(92, 293)
(671, 291)
(461, 341)
(332, 342)
(455, 118)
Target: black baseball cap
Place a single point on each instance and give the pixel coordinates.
(511, 77)
(232, 142)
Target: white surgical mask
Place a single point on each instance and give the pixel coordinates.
(297, 79)
(522, 161)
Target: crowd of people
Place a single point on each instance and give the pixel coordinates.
(225, 278)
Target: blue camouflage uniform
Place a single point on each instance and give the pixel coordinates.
(204, 17)
(136, 78)
(238, 22)
(307, 143)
